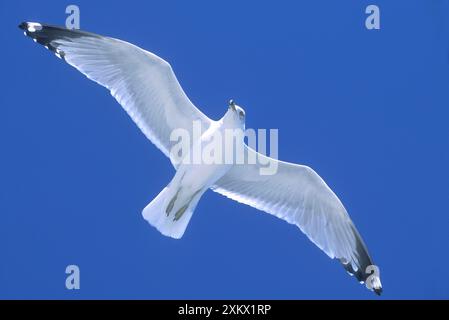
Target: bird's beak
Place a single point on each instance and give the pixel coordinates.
(232, 105)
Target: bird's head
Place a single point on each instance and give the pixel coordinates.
(235, 115)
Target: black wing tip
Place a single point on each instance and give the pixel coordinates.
(44, 35)
(30, 27)
(363, 264)
(363, 277)
(23, 25)
(54, 30)
(378, 291)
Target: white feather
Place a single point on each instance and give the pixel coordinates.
(140, 81)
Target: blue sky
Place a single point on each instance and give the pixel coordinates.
(368, 110)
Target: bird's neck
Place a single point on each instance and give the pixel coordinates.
(230, 121)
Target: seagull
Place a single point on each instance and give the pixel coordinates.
(146, 87)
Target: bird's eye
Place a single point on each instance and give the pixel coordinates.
(241, 114)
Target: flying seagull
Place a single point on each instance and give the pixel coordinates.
(146, 87)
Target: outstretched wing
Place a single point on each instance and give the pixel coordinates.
(140, 81)
(298, 195)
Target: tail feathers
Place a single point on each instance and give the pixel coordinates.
(160, 214)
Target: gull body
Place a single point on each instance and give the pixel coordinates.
(171, 210)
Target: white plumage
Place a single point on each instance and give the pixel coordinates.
(146, 87)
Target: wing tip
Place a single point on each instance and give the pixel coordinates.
(363, 267)
(42, 34)
(378, 291)
(30, 26)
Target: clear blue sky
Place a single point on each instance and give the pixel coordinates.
(368, 110)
